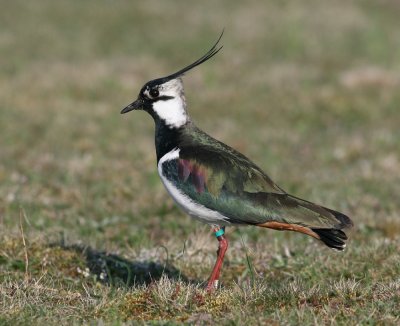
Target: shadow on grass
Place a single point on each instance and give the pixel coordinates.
(117, 271)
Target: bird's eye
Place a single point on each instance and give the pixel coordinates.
(154, 93)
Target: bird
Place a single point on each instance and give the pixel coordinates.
(216, 184)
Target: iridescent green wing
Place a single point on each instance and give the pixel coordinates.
(222, 181)
(219, 178)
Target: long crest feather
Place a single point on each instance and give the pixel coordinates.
(213, 51)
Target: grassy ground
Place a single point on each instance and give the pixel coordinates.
(308, 89)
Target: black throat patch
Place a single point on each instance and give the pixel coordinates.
(166, 138)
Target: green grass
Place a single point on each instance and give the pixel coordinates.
(308, 89)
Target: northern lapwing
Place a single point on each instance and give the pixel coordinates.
(216, 184)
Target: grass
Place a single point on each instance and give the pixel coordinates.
(307, 89)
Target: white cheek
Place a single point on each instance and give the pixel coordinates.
(171, 111)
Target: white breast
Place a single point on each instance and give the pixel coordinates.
(195, 210)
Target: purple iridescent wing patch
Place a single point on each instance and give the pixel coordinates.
(187, 168)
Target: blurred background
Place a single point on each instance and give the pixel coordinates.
(309, 90)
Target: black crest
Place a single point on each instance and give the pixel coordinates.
(213, 51)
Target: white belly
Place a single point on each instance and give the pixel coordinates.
(195, 210)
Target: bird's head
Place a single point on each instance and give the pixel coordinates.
(164, 98)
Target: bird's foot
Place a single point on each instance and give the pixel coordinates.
(213, 282)
(212, 286)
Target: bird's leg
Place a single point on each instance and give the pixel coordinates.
(222, 247)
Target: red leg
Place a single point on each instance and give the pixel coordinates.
(223, 246)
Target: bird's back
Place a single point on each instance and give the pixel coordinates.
(219, 178)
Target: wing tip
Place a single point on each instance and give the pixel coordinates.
(345, 222)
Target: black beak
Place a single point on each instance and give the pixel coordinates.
(137, 105)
